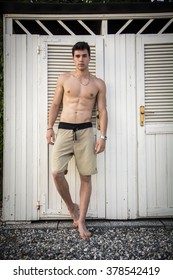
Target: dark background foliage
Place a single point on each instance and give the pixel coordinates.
(1, 104)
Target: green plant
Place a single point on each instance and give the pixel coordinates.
(1, 105)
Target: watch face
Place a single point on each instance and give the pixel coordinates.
(104, 137)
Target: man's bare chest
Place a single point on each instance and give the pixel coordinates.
(78, 90)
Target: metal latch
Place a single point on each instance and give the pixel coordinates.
(142, 114)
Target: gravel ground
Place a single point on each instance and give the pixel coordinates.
(106, 243)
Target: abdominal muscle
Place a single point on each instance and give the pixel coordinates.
(76, 112)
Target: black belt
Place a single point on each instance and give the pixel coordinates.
(74, 127)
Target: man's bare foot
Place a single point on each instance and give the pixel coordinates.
(75, 214)
(83, 231)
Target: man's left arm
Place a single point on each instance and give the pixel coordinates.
(103, 117)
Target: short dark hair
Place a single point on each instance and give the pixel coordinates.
(81, 46)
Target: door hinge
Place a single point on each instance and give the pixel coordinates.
(128, 214)
(38, 49)
(38, 205)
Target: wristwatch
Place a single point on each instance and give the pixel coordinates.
(103, 137)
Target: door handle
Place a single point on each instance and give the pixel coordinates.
(142, 114)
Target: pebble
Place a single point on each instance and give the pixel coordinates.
(105, 244)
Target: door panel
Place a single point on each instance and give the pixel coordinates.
(56, 58)
(155, 137)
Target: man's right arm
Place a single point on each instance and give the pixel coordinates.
(53, 112)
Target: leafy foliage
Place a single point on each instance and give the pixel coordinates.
(1, 103)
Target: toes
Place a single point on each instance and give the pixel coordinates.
(85, 236)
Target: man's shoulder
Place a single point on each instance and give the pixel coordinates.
(65, 75)
(97, 80)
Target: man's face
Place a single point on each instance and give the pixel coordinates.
(81, 59)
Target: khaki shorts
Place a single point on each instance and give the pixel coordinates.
(80, 144)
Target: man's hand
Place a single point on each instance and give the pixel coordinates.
(50, 136)
(100, 146)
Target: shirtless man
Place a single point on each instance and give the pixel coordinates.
(78, 92)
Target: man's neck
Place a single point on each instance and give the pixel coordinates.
(80, 74)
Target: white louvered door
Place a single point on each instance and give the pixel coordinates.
(155, 136)
(56, 58)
